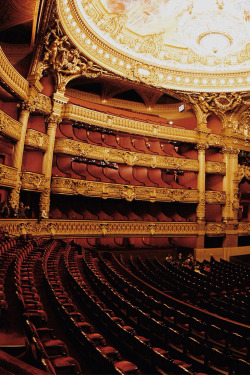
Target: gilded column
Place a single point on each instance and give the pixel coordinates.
(201, 183)
(27, 107)
(230, 186)
(52, 121)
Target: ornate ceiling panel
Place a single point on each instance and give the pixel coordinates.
(172, 44)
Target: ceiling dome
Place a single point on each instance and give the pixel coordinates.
(175, 44)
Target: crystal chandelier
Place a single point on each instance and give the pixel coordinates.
(214, 28)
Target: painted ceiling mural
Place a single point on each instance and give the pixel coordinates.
(154, 38)
(185, 23)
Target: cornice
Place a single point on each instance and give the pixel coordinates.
(32, 181)
(8, 176)
(11, 79)
(36, 139)
(9, 127)
(76, 148)
(68, 186)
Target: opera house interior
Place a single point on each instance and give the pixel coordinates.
(124, 187)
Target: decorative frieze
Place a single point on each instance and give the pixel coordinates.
(9, 127)
(244, 228)
(36, 139)
(8, 176)
(93, 228)
(215, 167)
(32, 181)
(239, 142)
(216, 197)
(69, 186)
(215, 229)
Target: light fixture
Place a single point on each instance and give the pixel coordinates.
(214, 28)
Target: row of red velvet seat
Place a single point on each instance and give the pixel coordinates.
(135, 344)
(83, 208)
(124, 174)
(167, 337)
(235, 343)
(87, 337)
(208, 293)
(7, 254)
(204, 350)
(217, 279)
(126, 142)
(50, 353)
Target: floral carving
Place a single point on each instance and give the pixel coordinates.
(62, 185)
(32, 181)
(86, 228)
(36, 139)
(128, 192)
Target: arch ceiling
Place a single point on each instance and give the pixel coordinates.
(194, 45)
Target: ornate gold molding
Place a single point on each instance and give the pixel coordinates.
(93, 228)
(215, 197)
(68, 186)
(9, 127)
(116, 123)
(36, 139)
(32, 181)
(62, 59)
(11, 79)
(75, 148)
(243, 171)
(215, 167)
(215, 229)
(216, 102)
(244, 228)
(8, 176)
(43, 104)
(216, 140)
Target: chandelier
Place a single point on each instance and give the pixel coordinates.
(217, 28)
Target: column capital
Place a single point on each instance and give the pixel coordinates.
(27, 106)
(201, 146)
(52, 120)
(230, 150)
